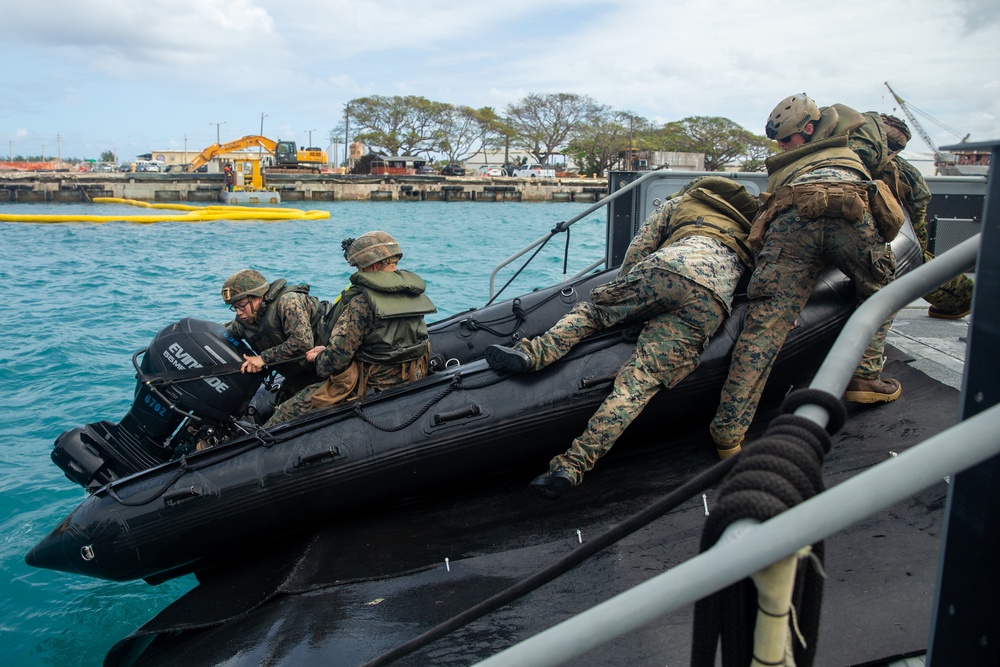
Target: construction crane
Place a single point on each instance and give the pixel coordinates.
(940, 158)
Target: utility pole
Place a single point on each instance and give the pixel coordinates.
(217, 141)
(347, 132)
(59, 146)
(260, 149)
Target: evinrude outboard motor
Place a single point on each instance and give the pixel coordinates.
(189, 392)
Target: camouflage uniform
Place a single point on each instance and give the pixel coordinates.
(684, 289)
(354, 325)
(292, 310)
(955, 295)
(795, 251)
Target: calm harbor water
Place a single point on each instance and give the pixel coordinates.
(81, 298)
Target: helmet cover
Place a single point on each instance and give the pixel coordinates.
(242, 284)
(372, 247)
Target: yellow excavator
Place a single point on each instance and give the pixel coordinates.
(286, 155)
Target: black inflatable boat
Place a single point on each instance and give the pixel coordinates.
(160, 507)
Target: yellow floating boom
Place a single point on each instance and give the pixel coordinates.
(190, 213)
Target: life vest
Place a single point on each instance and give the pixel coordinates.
(719, 208)
(871, 143)
(399, 304)
(829, 146)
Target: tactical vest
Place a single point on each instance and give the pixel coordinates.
(913, 189)
(719, 211)
(784, 168)
(870, 143)
(829, 147)
(268, 332)
(399, 304)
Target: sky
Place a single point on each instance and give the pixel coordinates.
(137, 76)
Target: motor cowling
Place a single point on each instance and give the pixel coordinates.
(188, 382)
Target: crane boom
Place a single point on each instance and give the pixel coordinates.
(939, 157)
(242, 143)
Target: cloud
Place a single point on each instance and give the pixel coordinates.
(158, 71)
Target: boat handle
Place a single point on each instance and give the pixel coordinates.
(472, 410)
(178, 496)
(589, 383)
(333, 453)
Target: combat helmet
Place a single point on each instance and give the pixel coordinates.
(790, 116)
(242, 284)
(896, 131)
(371, 247)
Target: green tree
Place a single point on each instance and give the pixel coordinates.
(397, 125)
(542, 124)
(464, 131)
(719, 139)
(757, 150)
(107, 156)
(603, 138)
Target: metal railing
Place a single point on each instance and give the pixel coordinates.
(747, 547)
(563, 226)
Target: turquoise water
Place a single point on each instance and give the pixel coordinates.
(80, 298)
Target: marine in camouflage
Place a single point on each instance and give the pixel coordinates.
(355, 323)
(667, 351)
(682, 290)
(294, 317)
(795, 252)
(956, 294)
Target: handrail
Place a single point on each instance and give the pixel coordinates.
(747, 547)
(836, 370)
(751, 548)
(563, 226)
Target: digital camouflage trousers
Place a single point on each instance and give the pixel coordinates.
(795, 252)
(952, 297)
(682, 316)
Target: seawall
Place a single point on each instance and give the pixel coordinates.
(70, 187)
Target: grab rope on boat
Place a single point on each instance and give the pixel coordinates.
(520, 316)
(560, 228)
(778, 471)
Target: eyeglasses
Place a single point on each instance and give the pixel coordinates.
(240, 305)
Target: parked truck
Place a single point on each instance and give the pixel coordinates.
(534, 171)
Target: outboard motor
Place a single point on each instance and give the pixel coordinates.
(188, 395)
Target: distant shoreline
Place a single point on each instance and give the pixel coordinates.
(70, 187)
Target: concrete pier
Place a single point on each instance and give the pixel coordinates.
(70, 187)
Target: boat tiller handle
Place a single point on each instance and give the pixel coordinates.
(472, 410)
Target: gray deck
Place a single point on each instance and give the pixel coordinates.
(937, 346)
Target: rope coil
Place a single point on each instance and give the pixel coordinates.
(782, 469)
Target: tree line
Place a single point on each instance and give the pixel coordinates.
(595, 136)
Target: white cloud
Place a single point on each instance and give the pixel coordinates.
(157, 71)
